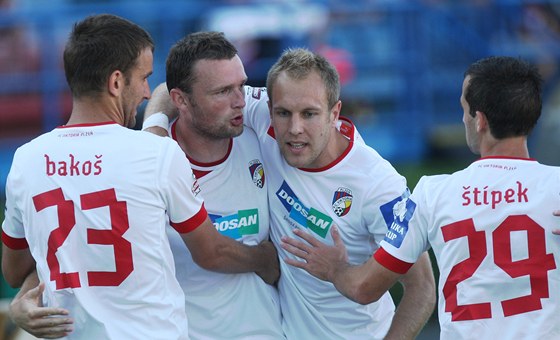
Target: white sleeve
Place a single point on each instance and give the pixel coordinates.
(407, 238)
(181, 191)
(256, 114)
(157, 119)
(13, 217)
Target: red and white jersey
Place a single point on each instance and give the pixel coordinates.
(353, 192)
(489, 226)
(230, 306)
(92, 203)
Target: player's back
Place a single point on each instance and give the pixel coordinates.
(490, 228)
(94, 202)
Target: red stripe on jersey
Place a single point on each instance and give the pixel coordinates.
(14, 243)
(270, 132)
(390, 262)
(347, 128)
(192, 223)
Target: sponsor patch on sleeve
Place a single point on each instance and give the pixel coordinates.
(397, 213)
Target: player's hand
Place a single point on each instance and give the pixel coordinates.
(319, 259)
(272, 272)
(556, 231)
(42, 322)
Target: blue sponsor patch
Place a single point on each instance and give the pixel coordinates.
(397, 213)
(302, 215)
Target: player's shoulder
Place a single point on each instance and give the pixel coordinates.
(253, 94)
(37, 143)
(433, 180)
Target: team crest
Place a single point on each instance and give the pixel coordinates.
(342, 201)
(195, 187)
(256, 170)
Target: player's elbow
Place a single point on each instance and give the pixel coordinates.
(16, 266)
(13, 277)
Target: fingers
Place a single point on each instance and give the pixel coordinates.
(53, 332)
(294, 247)
(336, 236)
(49, 327)
(307, 237)
(44, 312)
(556, 213)
(295, 263)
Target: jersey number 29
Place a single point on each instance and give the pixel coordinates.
(536, 266)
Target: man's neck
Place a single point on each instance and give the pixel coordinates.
(198, 147)
(514, 147)
(93, 110)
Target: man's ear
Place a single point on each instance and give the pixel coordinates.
(335, 112)
(481, 121)
(178, 98)
(116, 83)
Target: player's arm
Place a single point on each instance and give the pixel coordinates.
(216, 252)
(27, 312)
(363, 284)
(159, 111)
(417, 303)
(17, 264)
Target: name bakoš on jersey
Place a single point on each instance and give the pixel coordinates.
(73, 167)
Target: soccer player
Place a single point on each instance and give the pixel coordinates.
(206, 79)
(489, 225)
(87, 203)
(318, 176)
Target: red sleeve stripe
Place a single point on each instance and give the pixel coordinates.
(14, 243)
(390, 262)
(192, 223)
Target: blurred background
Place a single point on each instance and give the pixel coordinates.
(401, 63)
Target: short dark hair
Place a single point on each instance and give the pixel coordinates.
(187, 51)
(508, 91)
(298, 63)
(99, 45)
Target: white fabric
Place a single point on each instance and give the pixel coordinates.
(503, 207)
(156, 119)
(231, 306)
(149, 177)
(356, 186)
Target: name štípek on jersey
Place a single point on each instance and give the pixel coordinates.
(489, 226)
(92, 203)
(232, 306)
(352, 192)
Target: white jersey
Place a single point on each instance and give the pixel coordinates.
(230, 306)
(490, 229)
(354, 192)
(92, 203)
